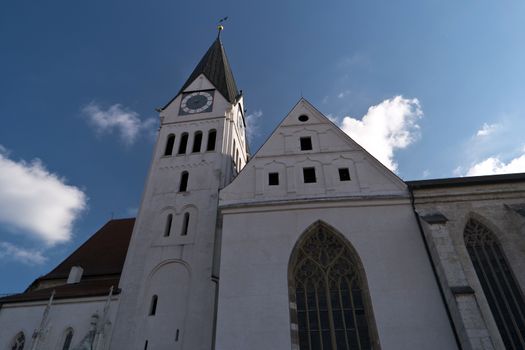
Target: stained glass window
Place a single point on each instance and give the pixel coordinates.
(499, 286)
(328, 290)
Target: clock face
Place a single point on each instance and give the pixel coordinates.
(196, 102)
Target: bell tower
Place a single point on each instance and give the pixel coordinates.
(167, 286)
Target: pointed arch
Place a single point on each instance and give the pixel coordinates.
(330, 306)
(500, 288)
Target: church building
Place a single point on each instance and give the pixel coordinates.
(308, 244)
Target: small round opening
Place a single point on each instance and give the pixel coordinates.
(303, 118)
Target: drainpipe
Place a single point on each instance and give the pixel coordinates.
(434, 270)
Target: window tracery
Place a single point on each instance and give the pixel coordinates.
(18, 342)
(503, 293)
(328, 291)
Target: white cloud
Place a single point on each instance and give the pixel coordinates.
(494, 165)
(252, 124)
(342, 94)
(124, 121)
(487, 129)
(38, 202)
(386, 127)
(27, 256)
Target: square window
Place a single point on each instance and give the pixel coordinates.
(309, 175)
(344, 174)
(273, 179)
(306, 143)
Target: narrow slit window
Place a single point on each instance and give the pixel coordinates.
(309, 175)
(153, 306)
(169, 145)
(197, 141)
(185, 224)
(67, 339)
(344, 174)
(273, 179)
(306, 143)
(167, 229)
(183, 143)
(212, 136)
(183, 186)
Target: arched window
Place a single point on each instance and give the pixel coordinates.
(499, 286)
(153, 305)
(67, 339)
(167, 229)
(185, 224)
(183, 143)
(212, 136)
(183, 186)
(169, 145)
(327, 283)
(197, 141)
(18, 341)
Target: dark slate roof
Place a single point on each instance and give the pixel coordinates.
(102, 259)
(467, 181)
(102, 254)
(214, 65)
(87, 288)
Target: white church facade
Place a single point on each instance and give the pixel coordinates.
(311, 243)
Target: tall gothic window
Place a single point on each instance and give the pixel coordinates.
(18, 342)
(499, 286)
(327, 284)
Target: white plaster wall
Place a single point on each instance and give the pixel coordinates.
(331, 150)
(74, 313)
(256, 248)
(262, 223)
(149, 249)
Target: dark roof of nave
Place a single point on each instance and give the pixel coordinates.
(83, 289)
(214, 65)
(467, 181)
(102, 259)
(102, 254)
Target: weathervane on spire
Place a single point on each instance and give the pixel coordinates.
(220, 27)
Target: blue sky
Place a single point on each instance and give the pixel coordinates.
(434, 88)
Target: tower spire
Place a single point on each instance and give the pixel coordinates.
(216, 68)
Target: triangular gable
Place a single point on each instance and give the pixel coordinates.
(332, 150)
